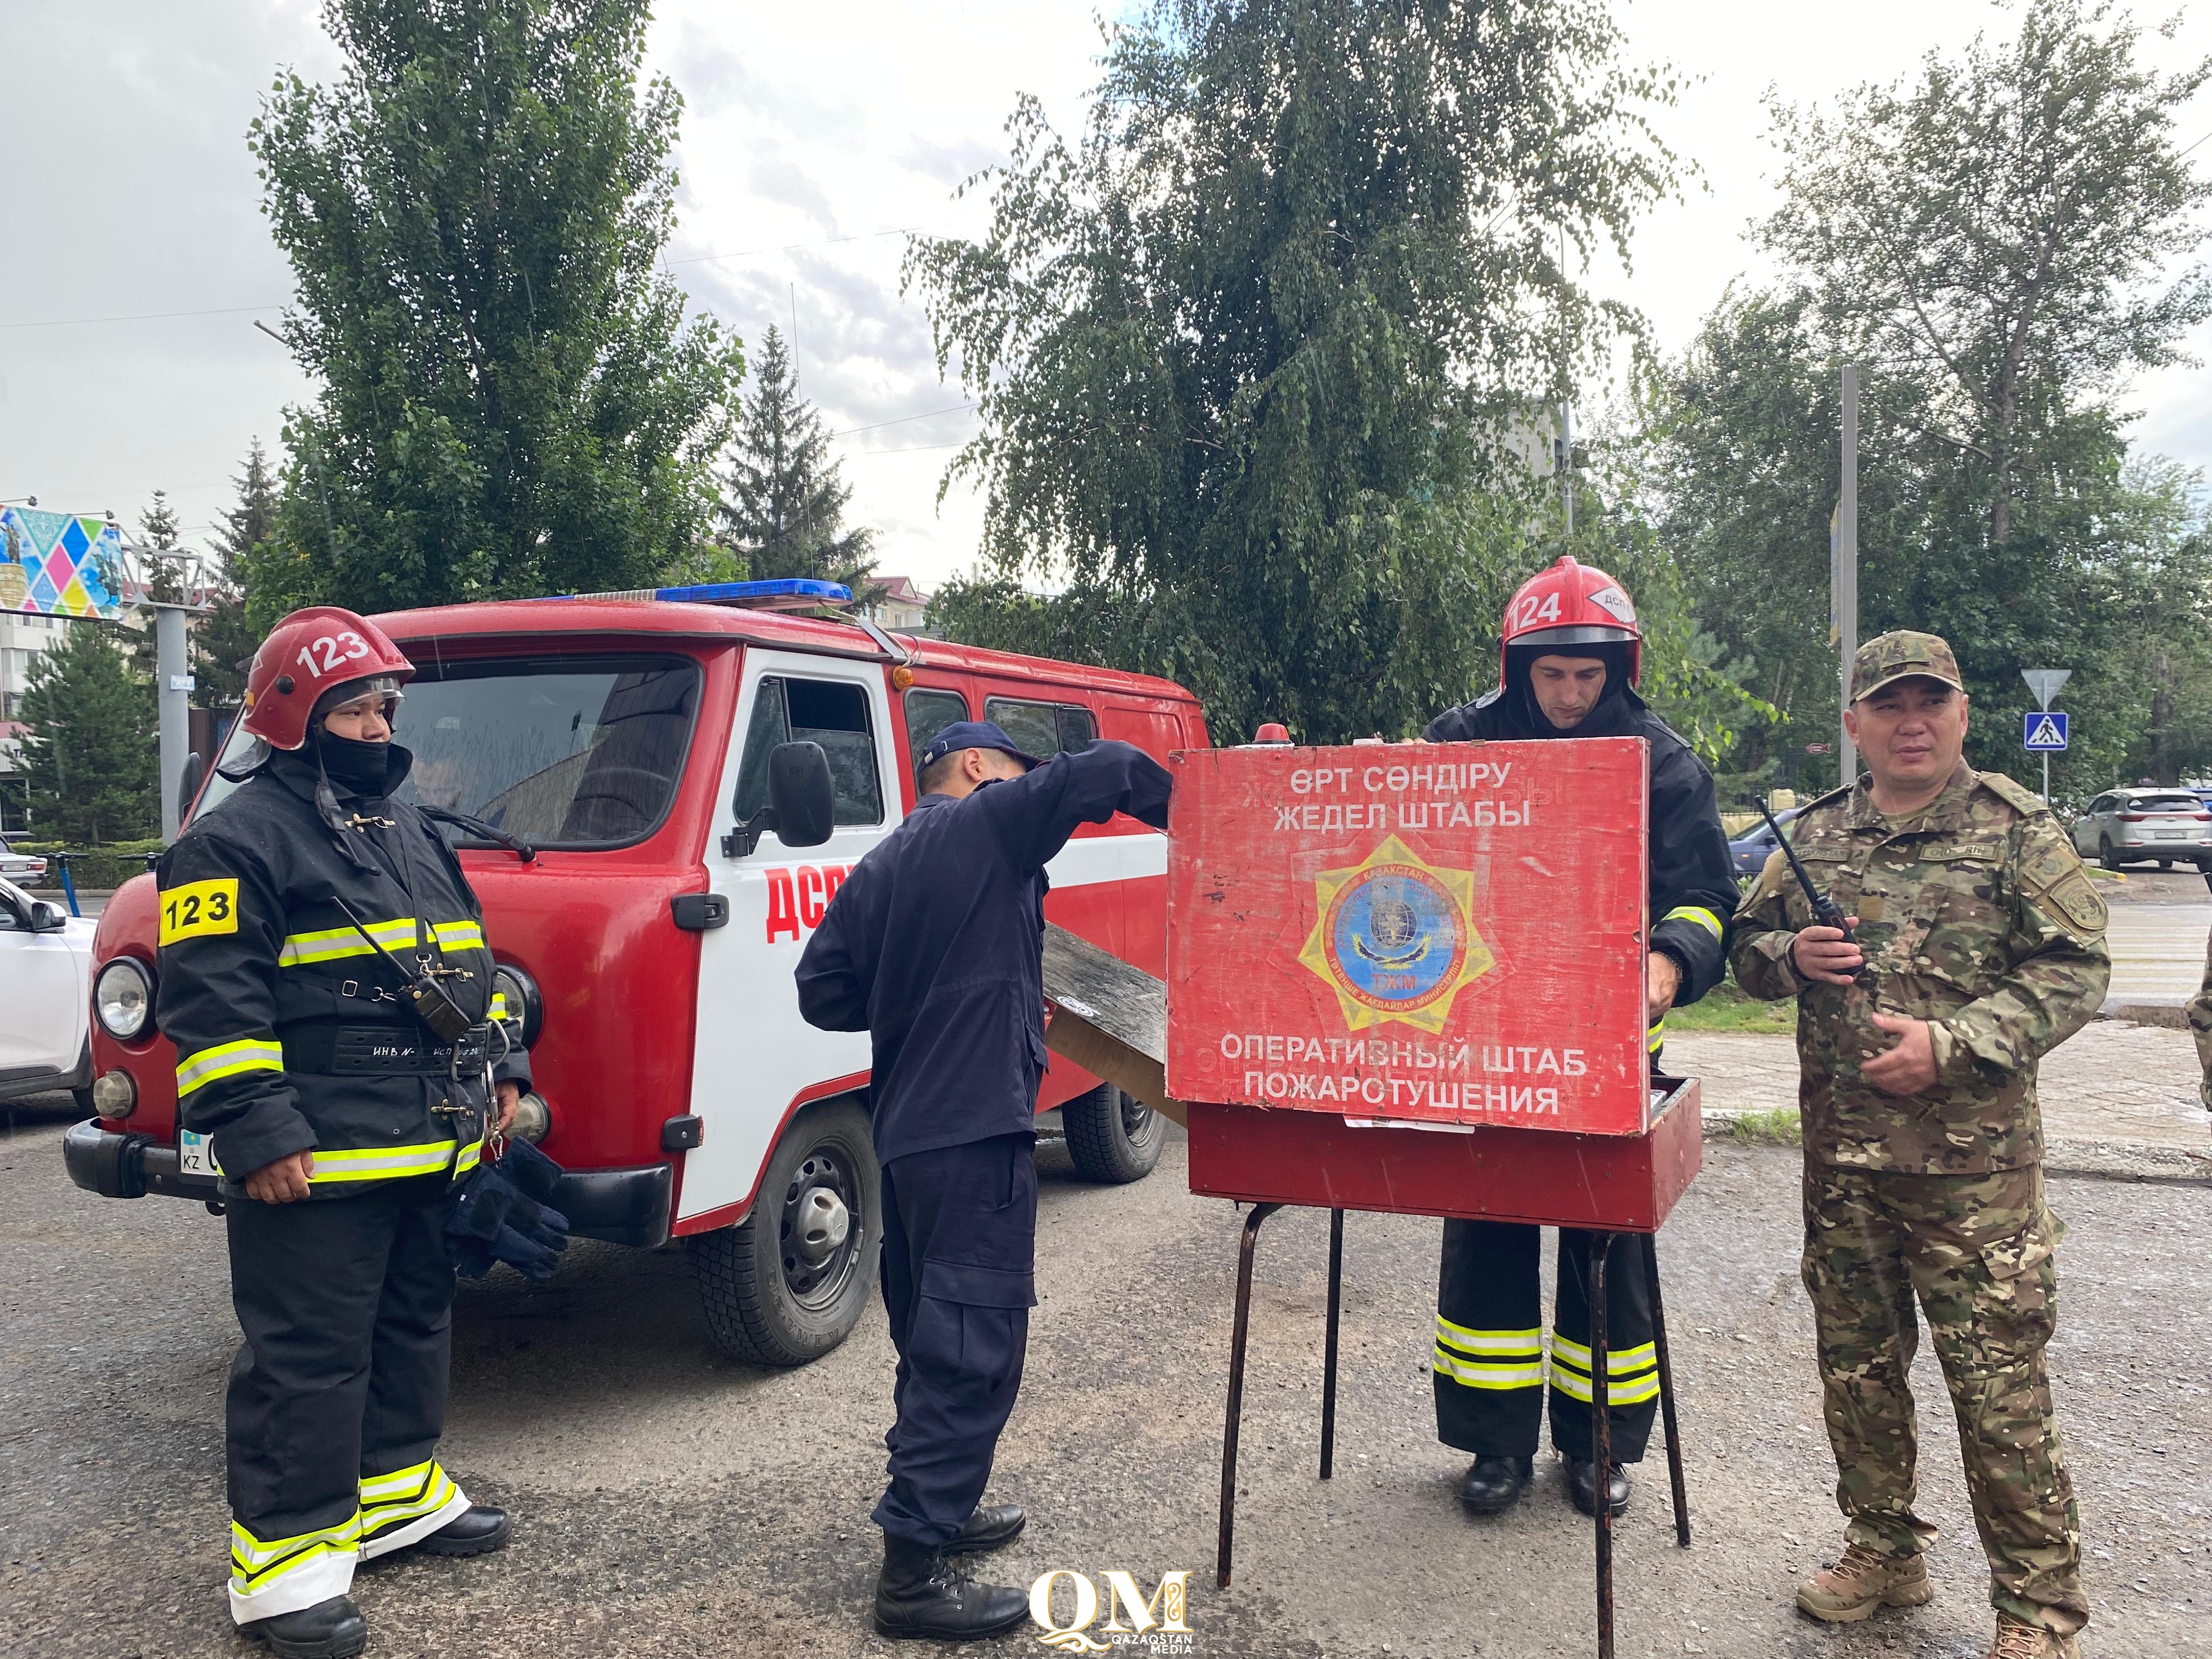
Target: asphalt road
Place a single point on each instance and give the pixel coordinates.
(674, 1503)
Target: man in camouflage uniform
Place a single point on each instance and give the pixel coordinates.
(2200, 1021)
(1979, 947)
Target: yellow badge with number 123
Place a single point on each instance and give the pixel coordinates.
(199, 907)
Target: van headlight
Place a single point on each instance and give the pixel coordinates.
(123, 999)
(523, 1001)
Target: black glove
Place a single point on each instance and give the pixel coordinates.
(492, 1217)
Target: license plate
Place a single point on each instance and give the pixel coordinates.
(2173, 835)
(196, 1155)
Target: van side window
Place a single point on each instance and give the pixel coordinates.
(1042, 729)
(928, 712)
(832, 713)
(1078, 730)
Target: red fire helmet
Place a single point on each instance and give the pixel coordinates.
(312, 653)
(1571, 604)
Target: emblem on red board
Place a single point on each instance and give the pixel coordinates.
(1396, 939)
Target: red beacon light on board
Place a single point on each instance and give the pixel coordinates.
(1274, 732)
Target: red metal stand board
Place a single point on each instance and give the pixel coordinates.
(1432, 932)
(1611, 1183)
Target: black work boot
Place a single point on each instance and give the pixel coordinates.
(477, 1530)
(1494, 1484)
(992, 1527)
(328, 1629)
(919, 1594)
(1582, 1484)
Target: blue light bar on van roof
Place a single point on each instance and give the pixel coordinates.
(785, 593)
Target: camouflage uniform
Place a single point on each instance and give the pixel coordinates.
(1976, 916)
(2200, 1021)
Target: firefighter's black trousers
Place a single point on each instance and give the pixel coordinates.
(959, 1255)
(1489, 1360)
(338, 1396)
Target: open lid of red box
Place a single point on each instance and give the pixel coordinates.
(1416, 933)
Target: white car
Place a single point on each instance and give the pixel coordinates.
(45, 997)
(21, 866)
(2136, 826)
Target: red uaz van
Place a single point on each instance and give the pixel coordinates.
(646, 916)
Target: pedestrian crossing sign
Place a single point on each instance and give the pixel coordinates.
(2043, 732)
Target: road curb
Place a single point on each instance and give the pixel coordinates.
(2095, 1160)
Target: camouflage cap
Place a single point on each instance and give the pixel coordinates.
(1903, 655)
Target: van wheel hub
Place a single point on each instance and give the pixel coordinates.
(821, 1246)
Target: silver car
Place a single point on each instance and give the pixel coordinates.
(2135, 826)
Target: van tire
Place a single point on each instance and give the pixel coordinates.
(1113, 1137)
(753, 1313)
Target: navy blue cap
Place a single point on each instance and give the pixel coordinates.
(969, 734)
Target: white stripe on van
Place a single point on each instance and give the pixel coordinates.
(1096, 859)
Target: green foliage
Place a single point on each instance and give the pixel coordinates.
(512, 402)
(225, 639)
(786, 507)
(89, 755)
(1987, 243)
(1246, 360)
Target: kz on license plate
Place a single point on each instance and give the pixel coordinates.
(196, 1155)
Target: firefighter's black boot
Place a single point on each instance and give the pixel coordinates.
(1581, 1483)
(919, 1595)
(1494, 1484)
(328, 1629)
(992, 1527)
(477, 1530)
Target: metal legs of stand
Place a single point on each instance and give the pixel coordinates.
(1602, 1438)
(1602, 1420)
(1667, 1395)
(1329, 1359)
(1259, 1213)
(1600, 1393)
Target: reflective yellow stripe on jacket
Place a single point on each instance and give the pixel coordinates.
(382, 1162)
(1697, 912)
(397, 936)
(227, 1060)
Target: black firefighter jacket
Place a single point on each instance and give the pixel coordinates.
(1694, 890)
(287, 1032)
(934, 945)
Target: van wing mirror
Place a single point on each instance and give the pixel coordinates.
(188, 783)
(802, 802)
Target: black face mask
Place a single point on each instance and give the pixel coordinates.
(354, 768)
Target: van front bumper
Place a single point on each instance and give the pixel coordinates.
(623, 1206)
(125, 1165)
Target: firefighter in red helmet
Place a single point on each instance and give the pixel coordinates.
(299, 918)
(1571, 654)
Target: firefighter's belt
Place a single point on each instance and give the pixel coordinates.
(384, 1051)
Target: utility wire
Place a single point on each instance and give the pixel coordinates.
(953, 409)
(144, 316)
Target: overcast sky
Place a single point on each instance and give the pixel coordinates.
(813, 135)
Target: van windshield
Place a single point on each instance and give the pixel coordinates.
(575, 751)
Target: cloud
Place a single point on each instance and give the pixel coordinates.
(949, 164)
(779, 179)
(802, 124)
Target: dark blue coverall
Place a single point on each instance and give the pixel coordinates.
(934, 945)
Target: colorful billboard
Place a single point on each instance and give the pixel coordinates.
(59, 564)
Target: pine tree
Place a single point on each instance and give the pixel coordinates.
(786, 505)
(90, 757)
(224, 641)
